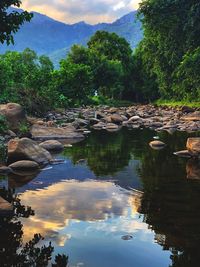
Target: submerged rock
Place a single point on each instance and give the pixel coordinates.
(27, 149)
(183, 154)
(52, 145)
(127, 237)
(156, 144)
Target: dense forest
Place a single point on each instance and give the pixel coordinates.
(165, 64)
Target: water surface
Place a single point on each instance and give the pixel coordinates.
(113, 185)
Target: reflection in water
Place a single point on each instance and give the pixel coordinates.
(86, 207)
(89, 201)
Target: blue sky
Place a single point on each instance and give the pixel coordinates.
(91, 11)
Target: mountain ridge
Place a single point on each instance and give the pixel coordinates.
(50, 37)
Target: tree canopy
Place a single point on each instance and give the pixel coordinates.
(10, 22)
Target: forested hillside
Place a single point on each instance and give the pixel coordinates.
(47, 36)
(165, 65)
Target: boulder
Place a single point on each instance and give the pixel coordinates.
(14, 114)
(5, 170)
(52, 145)
(183, 154)
(157, 144)
(24, 165)
(116, 118)
(50, 133)
(27, 149)
(193, 146)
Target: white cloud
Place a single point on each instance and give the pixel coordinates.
(91, 11)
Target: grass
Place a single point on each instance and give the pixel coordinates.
(172, 103)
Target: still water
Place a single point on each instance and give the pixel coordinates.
(115, 202)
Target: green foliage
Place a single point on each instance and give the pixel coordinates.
(11, 22)
(24, 128)
(3, 151)
(186, 77)
(171, 37)
(3, 124)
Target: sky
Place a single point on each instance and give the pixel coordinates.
(90, 11)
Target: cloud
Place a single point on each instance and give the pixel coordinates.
(91, 11)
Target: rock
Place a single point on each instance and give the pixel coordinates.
(50, 133)
(94, 121)
(195, 116)
(193, 146)
(99, 126)
(27, 149)
(116, 118)
(99, 115)
(5, 170)
(193, 169)
(24, 165)
(14, 114)
(11, 134)
(183, 154)
(134, 118)
(157, 144)
(52, 145)
(112, 127)
(127, 237)
(80, 122)
(187, 109)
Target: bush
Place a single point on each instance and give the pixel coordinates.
(3, 124)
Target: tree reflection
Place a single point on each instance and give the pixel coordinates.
(12, 251)
(172, 209)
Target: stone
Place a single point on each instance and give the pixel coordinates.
(193, 146)
(127, 237)
(53, 133)
(14, 114)
(5, 170)
(156, 144)
(27, 149)
(112, 127)
(99, 126)
(183, 154)
(134, 118)
(52, 145)
(195, 116)
(116, 118)
(24, 165)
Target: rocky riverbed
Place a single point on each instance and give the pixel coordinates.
(63, 127)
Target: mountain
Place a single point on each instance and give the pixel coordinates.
(53, 38)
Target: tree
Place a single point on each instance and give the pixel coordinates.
(10, 22)
(111, 46)
(74, 81)
(171, 30)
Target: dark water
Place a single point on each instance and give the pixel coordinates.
(112, 185)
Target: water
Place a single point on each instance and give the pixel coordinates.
(115, 202)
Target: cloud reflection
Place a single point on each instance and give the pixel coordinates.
(89, 201)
